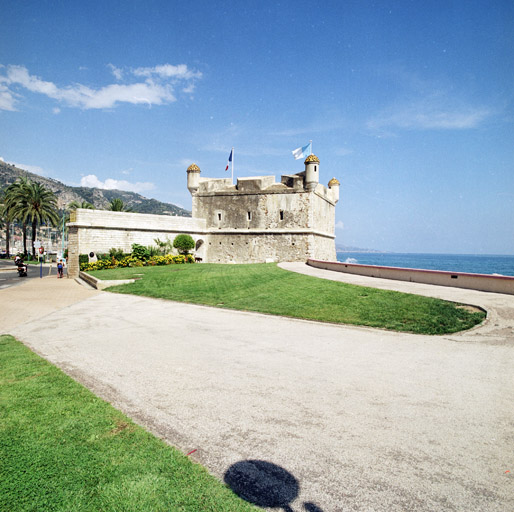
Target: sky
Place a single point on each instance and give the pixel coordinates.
(408, 104)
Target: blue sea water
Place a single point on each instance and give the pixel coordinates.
(474, 263)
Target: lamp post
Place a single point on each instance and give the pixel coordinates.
(62, 238)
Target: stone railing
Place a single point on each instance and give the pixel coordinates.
(482, 282)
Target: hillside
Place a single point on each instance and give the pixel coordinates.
(100, 198)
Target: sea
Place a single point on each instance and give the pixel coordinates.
(472, 263)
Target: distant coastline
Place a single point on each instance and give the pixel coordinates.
(472, 263)
(344, 248)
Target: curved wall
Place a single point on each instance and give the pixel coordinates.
(482, 282)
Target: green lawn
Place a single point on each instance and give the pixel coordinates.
(269, 289)
(63, 449)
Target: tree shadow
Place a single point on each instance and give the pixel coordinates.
(265, 484)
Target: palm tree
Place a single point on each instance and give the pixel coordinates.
(36, 203)
(117, 205)
(5, 222)
(15, 201)
(84, 204)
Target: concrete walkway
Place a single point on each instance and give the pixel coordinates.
(360, 419)
(36, 298)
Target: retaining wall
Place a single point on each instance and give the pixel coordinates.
(98, 231)
(482, 282)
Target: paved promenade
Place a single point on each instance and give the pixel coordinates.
(361, 419)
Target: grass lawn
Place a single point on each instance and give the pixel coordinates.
(267, 288)
(62, 448)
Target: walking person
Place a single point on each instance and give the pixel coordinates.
(59, 269)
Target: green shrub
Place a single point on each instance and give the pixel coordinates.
(117, 254)
(153, 251)
(140, 252)
(184, 243)
(164, 246)
(83, 259)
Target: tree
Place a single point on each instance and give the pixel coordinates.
(184, 243)
(15, 201)
(117, 205)
(84, 204)
(37, 204)
(6, 218)
(5, 222)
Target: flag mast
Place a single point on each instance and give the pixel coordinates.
(232, 166)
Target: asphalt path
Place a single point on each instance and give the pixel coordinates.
(9, 273)
(292, 413)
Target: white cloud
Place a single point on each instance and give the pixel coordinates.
(31, 168)
(429, 115)
(168, 71)
(428, 105)
(117, 72)
(111, 184)
(157, 89)
(339, 224)
(7, 99)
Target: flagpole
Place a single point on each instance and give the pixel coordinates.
(232, 166)
(312, 152)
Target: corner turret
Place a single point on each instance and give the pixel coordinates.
(193, 178)
(311, 172)
(333, 186)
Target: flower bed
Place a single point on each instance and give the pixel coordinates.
(131, 261)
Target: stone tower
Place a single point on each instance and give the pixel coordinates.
(311, 172)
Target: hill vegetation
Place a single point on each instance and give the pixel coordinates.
(99, 198)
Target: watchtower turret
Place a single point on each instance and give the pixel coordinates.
(333, 186)
(311, 172)
(193, 178)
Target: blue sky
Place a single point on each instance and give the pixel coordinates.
(409, 104)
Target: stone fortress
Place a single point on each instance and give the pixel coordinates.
(254, 221)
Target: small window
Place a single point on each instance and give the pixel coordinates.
(219, 216)
(281, 214)
(249, 215)
(315, 168)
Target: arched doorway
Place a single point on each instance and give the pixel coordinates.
(200, 251)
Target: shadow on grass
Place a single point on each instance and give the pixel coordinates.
(265, 484)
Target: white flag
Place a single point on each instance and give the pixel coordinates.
(302, 152)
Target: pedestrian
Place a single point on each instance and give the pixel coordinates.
(59, 269)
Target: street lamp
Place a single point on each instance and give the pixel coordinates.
(62, 238)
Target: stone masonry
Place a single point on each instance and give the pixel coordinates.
(255, 220)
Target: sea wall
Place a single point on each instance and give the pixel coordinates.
(482, 282)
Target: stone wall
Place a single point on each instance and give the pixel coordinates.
(99, 231)
(257, 247)
(482, 282)
(254, 211)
